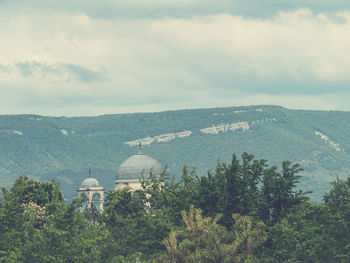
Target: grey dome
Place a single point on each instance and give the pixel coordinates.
(133, 167)
(90, 182)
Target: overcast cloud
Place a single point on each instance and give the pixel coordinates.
(79, 58)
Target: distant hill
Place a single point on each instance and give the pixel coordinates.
(63, 148)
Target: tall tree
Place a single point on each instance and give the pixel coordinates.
(279, 195)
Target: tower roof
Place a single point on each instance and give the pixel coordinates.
(90, 182)
(133, 167)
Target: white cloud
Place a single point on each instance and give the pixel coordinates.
(153, 3)
(62, 63)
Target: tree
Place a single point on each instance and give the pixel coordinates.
(337, 203)
(298, 237)
(279, 195)
(204, 240)
(39, 227)
(314, 232)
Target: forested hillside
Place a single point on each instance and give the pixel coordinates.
(63, 148)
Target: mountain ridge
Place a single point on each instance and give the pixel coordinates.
(64, 148)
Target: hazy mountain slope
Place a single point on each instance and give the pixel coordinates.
(63, 148)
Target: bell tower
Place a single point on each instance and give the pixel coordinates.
(92, 189)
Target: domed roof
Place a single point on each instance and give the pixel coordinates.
(90, 182)
(133, 167)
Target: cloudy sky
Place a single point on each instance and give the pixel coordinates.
(89, 57)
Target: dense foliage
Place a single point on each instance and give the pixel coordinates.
(243, 211)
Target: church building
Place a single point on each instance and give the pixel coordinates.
(128, 175)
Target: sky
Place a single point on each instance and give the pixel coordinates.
(88, 58)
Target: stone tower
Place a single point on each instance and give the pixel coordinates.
(91, 188)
